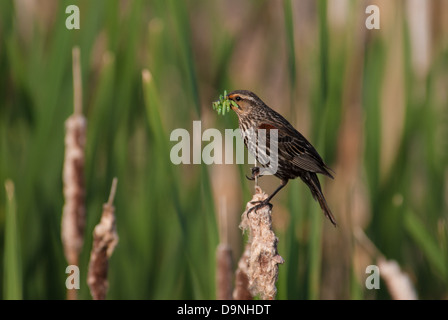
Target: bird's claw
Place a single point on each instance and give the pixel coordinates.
(258, 205)
(255, 174)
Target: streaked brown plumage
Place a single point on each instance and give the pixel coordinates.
(296, 156)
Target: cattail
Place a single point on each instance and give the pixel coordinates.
(224, 264)
(398, 283)
(263, 257)
(105, 238)
(74, 212)
(73, 219)
(224, 272)
(241, 291)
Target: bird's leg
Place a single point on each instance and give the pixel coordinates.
(265, 202)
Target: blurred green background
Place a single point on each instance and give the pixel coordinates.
(373, 103)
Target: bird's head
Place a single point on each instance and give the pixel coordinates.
(247, 102)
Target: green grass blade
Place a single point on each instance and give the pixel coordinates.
(315, 252)
(289, 27)
(426, 243)
(181, 22)
(12, 285)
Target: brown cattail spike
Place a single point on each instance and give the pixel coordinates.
(241, 291)
(73, 216)
(105, 238)
(224, 263)
(224, 273)
(263, 257)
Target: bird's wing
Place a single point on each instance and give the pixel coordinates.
(295, 148)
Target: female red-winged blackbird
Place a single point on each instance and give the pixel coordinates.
(296, 156)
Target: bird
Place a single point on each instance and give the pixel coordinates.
(296, 156)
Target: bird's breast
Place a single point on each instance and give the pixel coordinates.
(256, 143)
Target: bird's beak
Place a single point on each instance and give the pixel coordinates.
(230, 97)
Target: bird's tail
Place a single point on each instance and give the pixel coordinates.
(312, 181)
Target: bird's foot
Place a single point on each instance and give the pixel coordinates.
(258, 205)
(255, 174)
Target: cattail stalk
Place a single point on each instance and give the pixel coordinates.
(398, 282)
(241, 291)
(263, 258)
(74, 212)
(105, 238)
(224, 263)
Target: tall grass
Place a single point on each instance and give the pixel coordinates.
(329, 79)
(12, 287)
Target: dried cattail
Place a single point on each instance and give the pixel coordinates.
(73, 217)
(105, 238)
(398, 283)
(264, 258)
(224, 264)
(224, 273)
(241, 291)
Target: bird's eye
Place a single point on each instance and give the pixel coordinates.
(238, 98)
